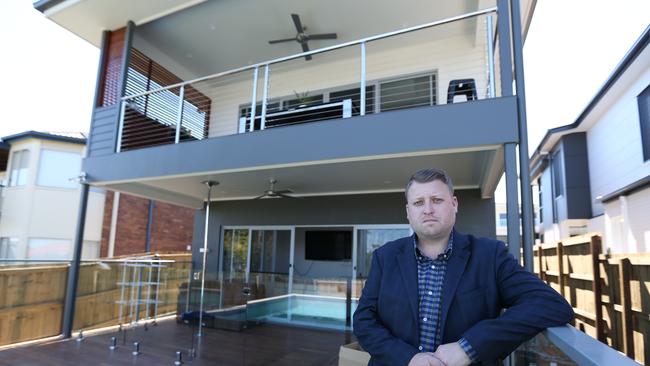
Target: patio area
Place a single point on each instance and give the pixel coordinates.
(261, 344)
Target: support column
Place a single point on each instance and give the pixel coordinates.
(73, 271)
(505, 57)
(512, 200)
(147, 245)
(524, 169)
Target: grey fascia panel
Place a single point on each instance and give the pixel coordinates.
(454, 126)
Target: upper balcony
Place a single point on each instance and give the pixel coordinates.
(205, 82)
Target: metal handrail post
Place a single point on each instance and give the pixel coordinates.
(133, 293)
(158, 283)
(362, 94)
(122, 301)
(179, 119)
(148, 292)
(189, 288)
(490, 50)
(265, 95)
(254, 99)
(120, 128)
(205, 253)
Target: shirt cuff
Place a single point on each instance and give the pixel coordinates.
(469, 350)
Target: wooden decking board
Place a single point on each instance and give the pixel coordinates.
(266, 344)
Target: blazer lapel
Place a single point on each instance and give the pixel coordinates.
(455, 269)
(408, 269)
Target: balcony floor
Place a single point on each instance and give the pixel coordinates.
(259, 345)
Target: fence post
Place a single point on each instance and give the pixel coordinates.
(542, 276)
(560, 267)
(626, 303)
(596, 288)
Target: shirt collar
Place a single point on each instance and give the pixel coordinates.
(442, 256)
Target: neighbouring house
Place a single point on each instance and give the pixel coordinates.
(39, 205)
(40, 198)
(501, 216)
(292, 127)
(594, 174)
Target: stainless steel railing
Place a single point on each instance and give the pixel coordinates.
(184, 111)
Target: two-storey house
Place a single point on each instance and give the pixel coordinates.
(593, 174)
(292, 127)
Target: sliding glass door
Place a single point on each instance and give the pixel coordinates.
(367, 240)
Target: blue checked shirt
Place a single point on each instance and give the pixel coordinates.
(431, 276)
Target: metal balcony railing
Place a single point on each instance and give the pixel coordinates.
(411, 67)
(566, 346)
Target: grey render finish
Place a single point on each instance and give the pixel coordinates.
(475, 215)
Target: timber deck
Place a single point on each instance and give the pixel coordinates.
(264, 344)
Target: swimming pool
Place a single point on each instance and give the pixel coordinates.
(301, 310)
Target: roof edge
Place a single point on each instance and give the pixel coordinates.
(44, 5)
(44, 136)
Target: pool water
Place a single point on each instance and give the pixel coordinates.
(301, 310)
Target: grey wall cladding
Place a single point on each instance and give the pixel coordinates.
(103, 133)
(475, 215)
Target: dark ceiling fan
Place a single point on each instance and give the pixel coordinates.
(302, 37)
(272, 193)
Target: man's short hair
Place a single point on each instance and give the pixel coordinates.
(429, 175)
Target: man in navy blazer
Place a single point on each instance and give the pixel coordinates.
(436, 298)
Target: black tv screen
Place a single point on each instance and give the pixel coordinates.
(328, 245)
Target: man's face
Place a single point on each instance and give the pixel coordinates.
(431, 209)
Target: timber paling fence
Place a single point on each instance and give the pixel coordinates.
(610, 294)
(32, 296)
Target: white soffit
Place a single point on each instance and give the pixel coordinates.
(88, 18)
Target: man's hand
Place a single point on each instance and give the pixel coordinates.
(425, 359)
(452, 354)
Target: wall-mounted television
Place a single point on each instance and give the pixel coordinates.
(328, 245)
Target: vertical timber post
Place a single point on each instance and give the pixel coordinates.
(595, 245)
(626, 304)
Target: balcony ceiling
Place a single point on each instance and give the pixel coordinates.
(477, 168)
(196, 38)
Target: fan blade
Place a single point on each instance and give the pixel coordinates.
(284, 195)
(323, 36)
(305, 48)
(284, 191)
(297, 23)
(282, 40)
(258, 197)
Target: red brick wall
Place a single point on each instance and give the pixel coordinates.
(106, 223)
(171, 228)
(131, 226)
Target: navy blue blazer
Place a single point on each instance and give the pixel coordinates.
(482, 279)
